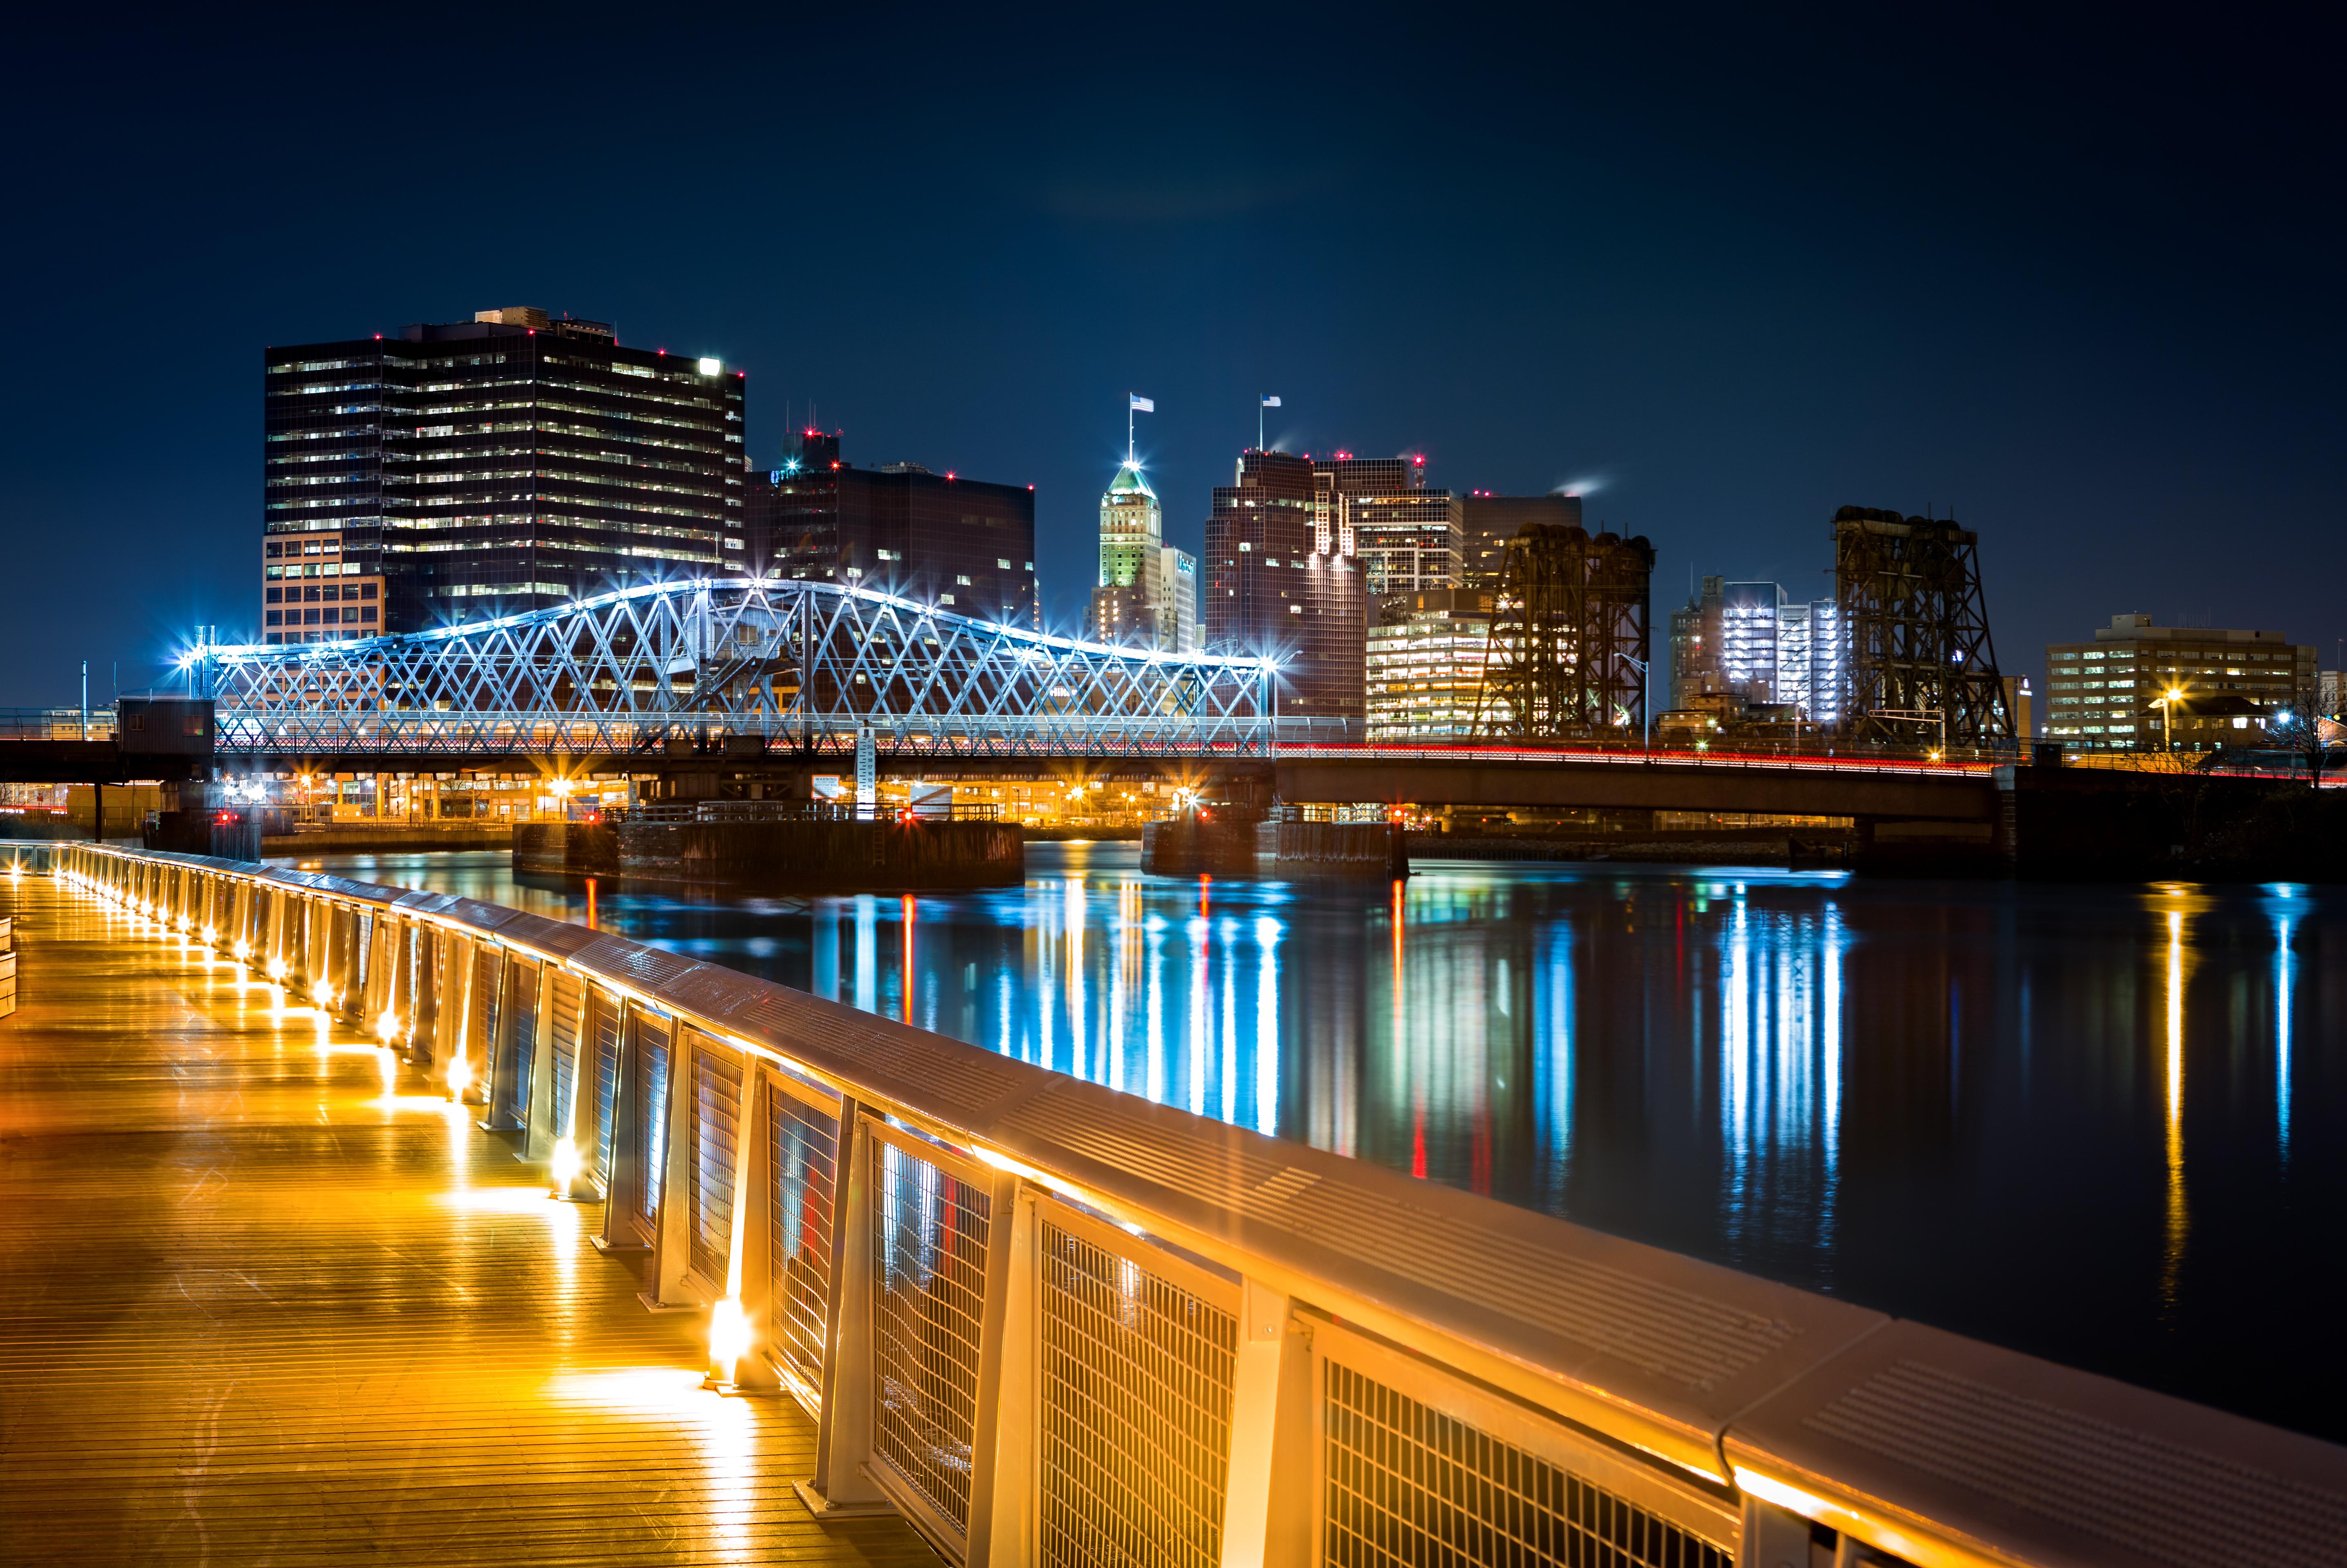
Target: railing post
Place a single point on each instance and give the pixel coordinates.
(1269, 1496)
(750, 1270)
(1773, 1537)
(1003, 1460)
(844, 1435)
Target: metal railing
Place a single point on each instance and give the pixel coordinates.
(803, 811)
(1053, 1323)
(56, 724)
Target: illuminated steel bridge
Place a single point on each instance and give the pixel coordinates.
(742, 667)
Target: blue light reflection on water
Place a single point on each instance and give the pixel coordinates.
(2104, 1124)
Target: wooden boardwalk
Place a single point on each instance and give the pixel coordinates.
(259, 1305)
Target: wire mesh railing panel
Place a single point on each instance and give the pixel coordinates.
(651, 1115)
(517, 1037)
(603, 1028)
(803, 1151)
(565, 1028)
(929, 1238)
(1136, 1376)
(1403, 1483)
(709, 1204)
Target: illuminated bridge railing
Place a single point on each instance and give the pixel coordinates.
(1052, 1322)
(808, 663)
(246, 732)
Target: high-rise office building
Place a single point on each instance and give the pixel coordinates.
(1178, 570)
(1426, 660)
(1407, 538)
(1748, 640)
(1147, 592)
(964, 544)
(1277, 584)
(2113, 693)
(486, 468)
(1749, 643)
(1694, 645)
(1489, 521)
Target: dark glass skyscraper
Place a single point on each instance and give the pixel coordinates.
(486, 468)
(965, 545)
(1274, 586)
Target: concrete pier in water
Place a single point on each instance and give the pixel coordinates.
(821, 855)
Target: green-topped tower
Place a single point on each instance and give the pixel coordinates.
(1147, 595)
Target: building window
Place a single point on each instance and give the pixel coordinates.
(276, 618)
(309, 617)
(367, 614)
(275, 595)
(366, 591)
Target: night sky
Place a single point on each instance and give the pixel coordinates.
(1723, 272)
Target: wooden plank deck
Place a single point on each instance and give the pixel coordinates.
(258, 1306)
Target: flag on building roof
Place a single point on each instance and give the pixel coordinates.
(1143, 405)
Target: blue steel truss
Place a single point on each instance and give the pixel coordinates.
(801, 665)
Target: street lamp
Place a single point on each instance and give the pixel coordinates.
(2167, 704)
(1645, 704)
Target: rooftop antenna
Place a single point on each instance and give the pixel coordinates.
(1134, 404)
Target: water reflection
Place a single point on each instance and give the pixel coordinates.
(1970, 1103)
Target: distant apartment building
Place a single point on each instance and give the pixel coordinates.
(1278, 583)
(1147, 592)
(482, 468)
(2140, 687)
(1426, 662)
(1489, 521)
(961, 544)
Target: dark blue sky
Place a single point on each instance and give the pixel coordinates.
(2080, 283)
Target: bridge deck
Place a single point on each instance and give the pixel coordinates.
(255, 1309)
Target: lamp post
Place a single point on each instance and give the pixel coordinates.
(1645, 703)
(2167, 700)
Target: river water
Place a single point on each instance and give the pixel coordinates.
(2103, 1124)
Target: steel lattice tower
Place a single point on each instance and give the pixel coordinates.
(1909, 592)
(1568, 650)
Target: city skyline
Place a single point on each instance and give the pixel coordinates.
(1678, 283)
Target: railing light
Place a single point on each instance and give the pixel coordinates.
(729, 1338)
(387, 1027)
(565, 1166)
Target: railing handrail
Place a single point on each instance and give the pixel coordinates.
(1893, 1433)
(801, 811)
